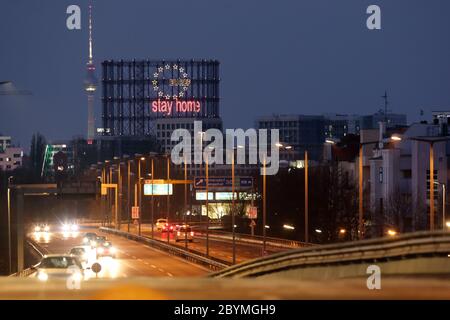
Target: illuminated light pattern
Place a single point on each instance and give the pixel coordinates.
(132, 87)
(181, 80)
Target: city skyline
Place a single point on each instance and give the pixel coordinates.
(315, 83)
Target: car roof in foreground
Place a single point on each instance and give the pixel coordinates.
(58, 256)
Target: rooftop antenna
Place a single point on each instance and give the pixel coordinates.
(385, 97)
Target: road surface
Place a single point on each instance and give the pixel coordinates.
(133, 259)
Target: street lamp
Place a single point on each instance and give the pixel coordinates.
(391, 233)
(9, 224)
(394, 138)
(431, 141)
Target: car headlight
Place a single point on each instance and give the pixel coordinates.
(100, 250)
(42, 276)
(85, 240)
(74, 227)
(37, 229)
(65, 227)
(77, 276)
(112, 250)
(46, 228)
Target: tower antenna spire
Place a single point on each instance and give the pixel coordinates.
(90, 35)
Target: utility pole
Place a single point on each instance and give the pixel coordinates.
(306, 199)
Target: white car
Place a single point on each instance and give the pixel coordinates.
(83, 253)
(59, 266)
(160, 224)
(184, 233)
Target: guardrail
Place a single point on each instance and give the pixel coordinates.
(242, 237)
(192, 257)
(29, 271)
(404, 248)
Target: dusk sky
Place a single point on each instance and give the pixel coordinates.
(299, 56)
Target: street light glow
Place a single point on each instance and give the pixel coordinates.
(392, 232)
(448, 224)
(318, 231)
(289, 227)
(342, 231)
(396, 138)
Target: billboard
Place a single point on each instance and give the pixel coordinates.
(137, 92)
(158, 189)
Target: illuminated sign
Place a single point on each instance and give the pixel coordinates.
(202, 196)
(168, 102)
(169, 107)
(158, 189)
(225, 196)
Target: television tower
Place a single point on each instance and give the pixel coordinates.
(90, 84)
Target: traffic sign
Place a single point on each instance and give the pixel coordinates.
(221, 182)
(252, 212)
(135, 212)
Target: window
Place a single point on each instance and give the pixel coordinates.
(380, 174)
(406, 174)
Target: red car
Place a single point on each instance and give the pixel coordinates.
(106, 250)
(168, 228)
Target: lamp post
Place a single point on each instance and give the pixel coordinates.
(393, 138)
(264, 205)
(139, 187)
(306, 199)
(431, 141)
(128, 193)
(207, 205)
(443, 206)
(185, 203)
(152, 200)
(168, 196)
(9, 225)
(233, 212)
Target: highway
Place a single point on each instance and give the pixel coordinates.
(133, 259)
(218, 248)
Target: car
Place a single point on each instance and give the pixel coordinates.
(88, 237)
(70, 227)
(62, 266)
(98, 241)
(106, 249)
(160, 223)
(42, 228)
(83, 253)
(167, 228)
(183, 233)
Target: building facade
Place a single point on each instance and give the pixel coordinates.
(300, 132)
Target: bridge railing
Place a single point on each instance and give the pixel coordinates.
(408, 246)
(247, 238)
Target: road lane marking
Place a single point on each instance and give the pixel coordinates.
(159, 269)
(153, 266)
(169, 274)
